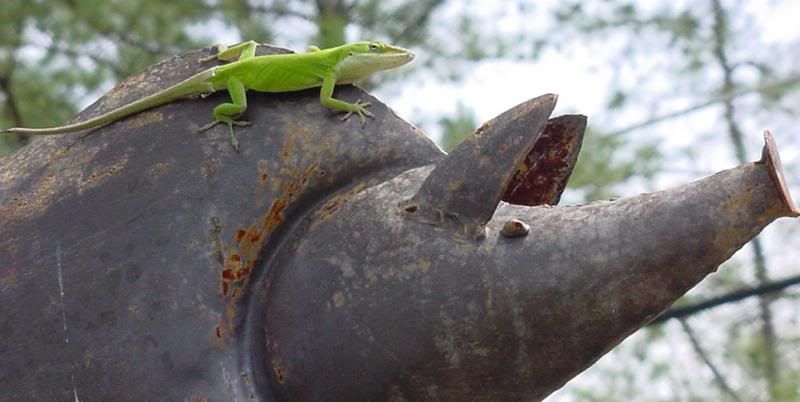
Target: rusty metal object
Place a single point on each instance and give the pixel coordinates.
(544, 173)
(464, 190)
(439, 317)
(144, 261)
(129, 255)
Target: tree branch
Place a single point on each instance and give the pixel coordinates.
(718, 378)
(720, 29)
(424, 12)
(5, 86)
(152, 48)
(793, 79)
(735, 296)
(13, 109)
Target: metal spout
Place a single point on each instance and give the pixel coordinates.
(401, 310)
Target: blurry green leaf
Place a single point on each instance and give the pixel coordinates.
(457, 127)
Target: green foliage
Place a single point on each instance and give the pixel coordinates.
(52, 53)
(456, 128)
(55, 53)
(407, 23)
(608, 160)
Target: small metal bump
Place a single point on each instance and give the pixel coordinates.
(515, 228)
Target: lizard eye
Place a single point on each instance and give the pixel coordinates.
(374, 47)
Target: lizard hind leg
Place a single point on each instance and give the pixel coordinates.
(228, 112)
(242, 51)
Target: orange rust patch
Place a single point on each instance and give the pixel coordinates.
(217, 335)
(243, 273)
(275, 215)
(101, 174)
(228, 275)
(240, 233)
(250, 241)
(334, 203)
(288, 146)
(308, 173)
(279, 372)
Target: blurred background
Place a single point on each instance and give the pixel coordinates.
(674, 91)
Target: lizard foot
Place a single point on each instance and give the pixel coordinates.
(361, 111)
(240, 123)
(234, 140)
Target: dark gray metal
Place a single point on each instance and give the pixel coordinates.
(130, 255)
(401, 310)
(465, 188)
(145, 261)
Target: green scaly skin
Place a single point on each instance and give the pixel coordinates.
(271, 73)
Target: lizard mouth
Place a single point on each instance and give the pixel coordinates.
(398, 59)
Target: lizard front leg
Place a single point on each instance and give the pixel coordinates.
(327, 100)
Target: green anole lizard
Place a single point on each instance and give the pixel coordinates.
(270, 73)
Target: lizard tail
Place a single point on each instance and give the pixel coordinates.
(196, 84)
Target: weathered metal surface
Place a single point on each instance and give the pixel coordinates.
(145, 261)
(128, 254)
(405, 311)
(544, 173)
(464, 190)
(770, 156)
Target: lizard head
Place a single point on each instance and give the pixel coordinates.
(360, 59)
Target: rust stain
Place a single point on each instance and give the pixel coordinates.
(210, 167)
(288, 146)
(263, 173)
(100, 175)
(543, 174)
(60, 177)
(308, 173)
(334, 203)
(228, 275)
(217, 337)
(240, 234)
(250, 241)
(279, 372)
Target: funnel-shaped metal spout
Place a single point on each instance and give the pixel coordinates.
(402, 310)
